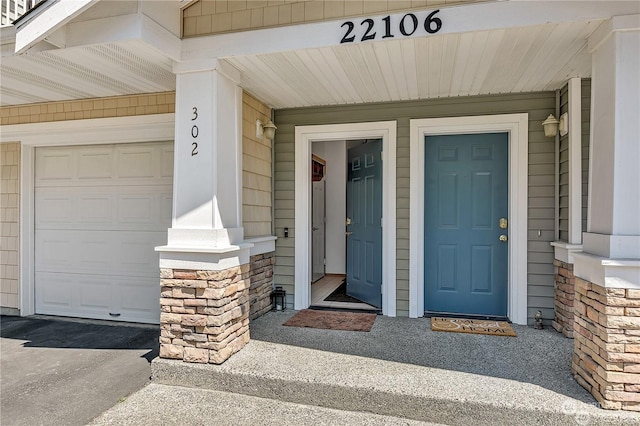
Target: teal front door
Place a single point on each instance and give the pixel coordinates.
(466, 211)
(364, 222)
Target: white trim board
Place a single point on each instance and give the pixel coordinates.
(516, 125)
(304, 136)
(116, 130)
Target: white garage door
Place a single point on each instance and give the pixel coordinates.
(99, 213)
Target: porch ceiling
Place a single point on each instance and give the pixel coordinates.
(84, 72)
(523, 59)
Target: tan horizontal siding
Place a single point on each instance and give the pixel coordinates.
(541, 179)
(206, 17)
(256, 170)
(119, 106)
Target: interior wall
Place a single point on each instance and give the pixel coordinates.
(335, 154)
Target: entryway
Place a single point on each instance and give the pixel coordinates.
(466, 224)
(368, 261)
(346, 180)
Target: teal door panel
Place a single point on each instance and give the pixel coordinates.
(364, 232)
(466, 195)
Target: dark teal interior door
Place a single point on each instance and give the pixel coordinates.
(364, 222)
(466, 190)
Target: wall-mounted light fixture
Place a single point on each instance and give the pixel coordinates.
(552, 125)
(266, 130)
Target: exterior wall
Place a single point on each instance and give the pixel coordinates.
(119, 106)
(541, 210)
(206, 17)
(261, 277)
(256, 169)
(9, 227)
(606, 358)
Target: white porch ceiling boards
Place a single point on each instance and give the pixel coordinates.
(85, 72)
(523, 59)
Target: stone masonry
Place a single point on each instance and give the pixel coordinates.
(606, 358)
(564, 295)
(261, 284)
(204, 314)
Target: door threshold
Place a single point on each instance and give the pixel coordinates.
(429, 314)
(372, 310)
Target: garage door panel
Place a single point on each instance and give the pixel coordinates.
(95, 163)
(133, 208)
(54, 165)
(54, 208)
(137, 163)
(145, 290)
(135, 258)
(100, 211)
(166, 162)
(57, 296)
(95, 208)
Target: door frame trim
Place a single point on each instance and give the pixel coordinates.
(304, 136)
(517, 127)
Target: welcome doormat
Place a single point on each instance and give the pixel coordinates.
(463, 325)
(332, 320)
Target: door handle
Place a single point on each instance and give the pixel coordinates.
(503, 238)
(315, 228)
(348, 233)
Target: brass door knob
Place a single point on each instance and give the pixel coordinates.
(503, 238)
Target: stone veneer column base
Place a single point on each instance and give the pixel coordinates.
(204, 314)
(261, 284)
(606, 358)
(564, 295)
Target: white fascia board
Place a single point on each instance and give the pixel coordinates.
(47, 21)
(457, 19)
(135, 26)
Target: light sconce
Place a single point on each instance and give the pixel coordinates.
(267, 130)
(552, 125)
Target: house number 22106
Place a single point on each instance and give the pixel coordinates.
(194, 132)
(407, 26)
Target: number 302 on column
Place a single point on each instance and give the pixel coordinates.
(194, 131)
(407, 25)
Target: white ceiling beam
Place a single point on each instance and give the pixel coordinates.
(50, 19)
(459, 19)
(135, 26)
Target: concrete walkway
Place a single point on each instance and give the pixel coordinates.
(404, 370)
(65, 372)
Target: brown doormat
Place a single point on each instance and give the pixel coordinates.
(463, 325)
(332, 320)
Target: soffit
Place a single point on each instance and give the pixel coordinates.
(104, 70)
(523, 59)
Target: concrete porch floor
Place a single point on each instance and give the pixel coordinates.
(403, 369)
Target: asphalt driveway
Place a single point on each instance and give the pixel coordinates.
(68, 372)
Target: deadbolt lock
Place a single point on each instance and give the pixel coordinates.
(348, 221)
(503, 223)
(503, 238)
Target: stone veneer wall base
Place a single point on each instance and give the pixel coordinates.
(606, 358)
(261, 284)
(564, 296)
(204, 314)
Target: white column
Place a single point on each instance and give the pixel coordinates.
(564, 250)
(206, 231)
(611, 244)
